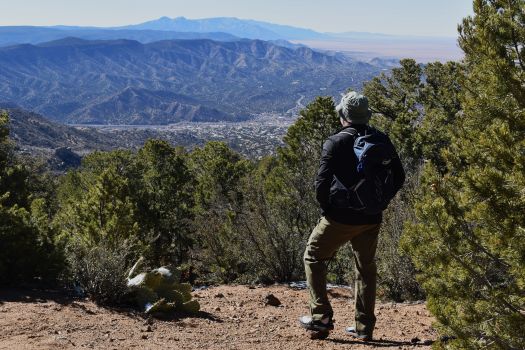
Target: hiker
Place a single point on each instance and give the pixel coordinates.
(359, 173)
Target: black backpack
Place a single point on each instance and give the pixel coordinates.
(374, 188)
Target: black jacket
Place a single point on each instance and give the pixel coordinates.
(338, 158)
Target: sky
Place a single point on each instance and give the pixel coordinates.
(399, 17)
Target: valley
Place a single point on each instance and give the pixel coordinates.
(254, 138)
(35, 135)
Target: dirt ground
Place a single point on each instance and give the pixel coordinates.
(232, 317)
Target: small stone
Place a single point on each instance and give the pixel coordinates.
(144, 336)
(446, 338)
(219, 295)
(415, 340)
(272, 300)
(428, 342)
(217, 309)
(149, 329)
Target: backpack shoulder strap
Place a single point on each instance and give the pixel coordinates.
(349, 131)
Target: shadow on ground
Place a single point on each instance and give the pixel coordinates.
(36, 295)
(68, 298)
(383, 343)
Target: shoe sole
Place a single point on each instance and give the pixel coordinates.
(315, 328)
(319, 335)
(359, 336)
(316, 332)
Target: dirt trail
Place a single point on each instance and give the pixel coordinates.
(233, 317)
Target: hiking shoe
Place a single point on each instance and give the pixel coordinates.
(309, 323)
(351, 331)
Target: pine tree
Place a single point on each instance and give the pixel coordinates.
(470, 241)
(164, 197)
(27, 249)
(416, 106)
(96, 203)
(218, 196)
(396, 100)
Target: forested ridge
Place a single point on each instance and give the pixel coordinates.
(454, 235)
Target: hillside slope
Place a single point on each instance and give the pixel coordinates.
(32, 133)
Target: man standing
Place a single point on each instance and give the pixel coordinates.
(340, 167)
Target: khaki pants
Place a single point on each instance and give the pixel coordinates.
(326, 238)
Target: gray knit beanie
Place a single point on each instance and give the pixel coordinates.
(354, 108)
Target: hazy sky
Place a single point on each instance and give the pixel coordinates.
(412, 17)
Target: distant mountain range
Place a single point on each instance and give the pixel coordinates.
(164, 28)
(177, 69)
(126, 82)
(359, 45)
(241, 28)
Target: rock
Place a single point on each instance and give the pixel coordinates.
(415, 340)
(219, 295)
(446, 338)
(428, 342)
(144, 336)
(67, 158)
(272, 300)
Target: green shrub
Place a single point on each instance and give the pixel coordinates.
(28, 246)
(218, 198)
(25, 254)
(396, 272)
(99, 271)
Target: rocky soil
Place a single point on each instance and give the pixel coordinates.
(232, 317)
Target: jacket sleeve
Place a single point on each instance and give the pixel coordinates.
(325, 175)
(399, 173)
